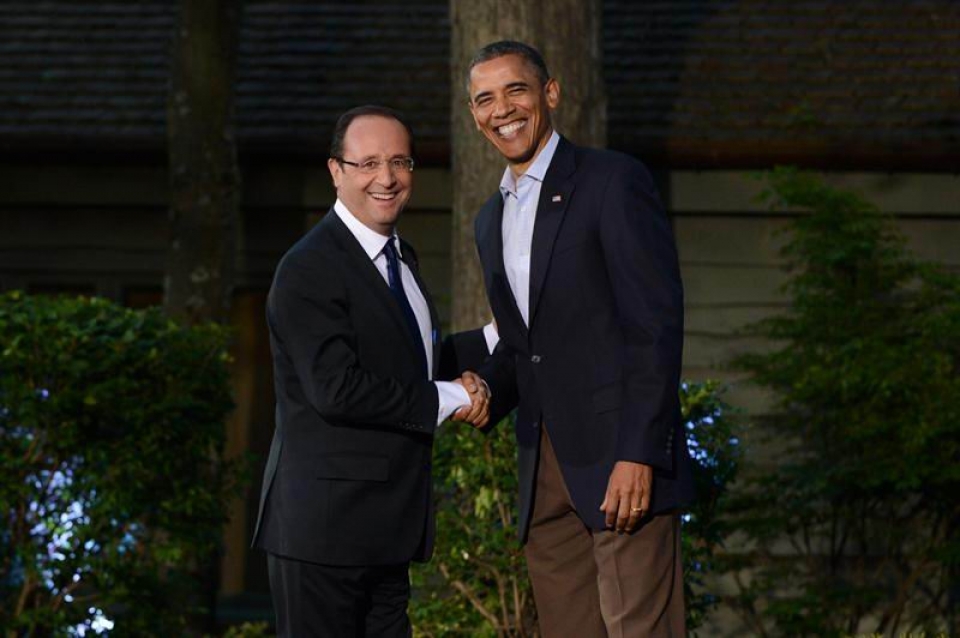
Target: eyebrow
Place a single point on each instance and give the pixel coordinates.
(392, 157)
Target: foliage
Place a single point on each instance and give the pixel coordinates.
(248, 630)
(477, 583)
(856, 511)
(111, 431)
(716, 452)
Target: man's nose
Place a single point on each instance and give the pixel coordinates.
(502, 106)
(386, 173)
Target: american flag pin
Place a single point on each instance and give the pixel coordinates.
(557, 198)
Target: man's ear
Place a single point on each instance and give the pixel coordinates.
(473, 113)
(552, 89)
(336, 171)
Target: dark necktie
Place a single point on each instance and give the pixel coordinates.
(396, 287)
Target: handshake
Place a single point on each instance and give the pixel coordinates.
(477, 413)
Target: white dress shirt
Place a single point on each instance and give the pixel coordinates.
(491, 336)
(451, 395)
(520, 199)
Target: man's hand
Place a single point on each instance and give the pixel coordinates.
(478, 412)
(628, 495)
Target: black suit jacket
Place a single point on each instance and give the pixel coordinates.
(347, 481)
(600, 361)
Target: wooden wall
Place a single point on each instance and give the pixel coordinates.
(732, 273)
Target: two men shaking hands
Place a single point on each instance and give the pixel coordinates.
(581, 273)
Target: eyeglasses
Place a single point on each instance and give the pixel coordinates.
(398, 164)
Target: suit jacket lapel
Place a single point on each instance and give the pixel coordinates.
(555, 195)
(371, 277)
(490, 234)
(492, 241)
(410, 258)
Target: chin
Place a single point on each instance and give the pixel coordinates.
(520, 157)
(390, 218)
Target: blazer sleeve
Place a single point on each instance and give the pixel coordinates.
(500, 373)
(642, 264)
(462, 351)
(308, 315)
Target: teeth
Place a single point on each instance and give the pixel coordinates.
(508, 129)
(383, 196)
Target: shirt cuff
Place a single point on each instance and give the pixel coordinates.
(452, 396)
(492, 336)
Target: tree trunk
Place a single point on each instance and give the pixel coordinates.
(205, 223)
(567, 33)
(204, 178)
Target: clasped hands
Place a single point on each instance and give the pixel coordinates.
(478, 412)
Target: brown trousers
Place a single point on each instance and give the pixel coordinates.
(599, 583)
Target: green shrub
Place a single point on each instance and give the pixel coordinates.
(716, 450)
(113, 489)
(854, 520)
(477, 583)
(248, 630)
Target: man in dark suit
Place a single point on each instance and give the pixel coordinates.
(581, 272)
(346, 499)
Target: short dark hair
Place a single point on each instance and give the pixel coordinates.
(499, 49)
(344, 121)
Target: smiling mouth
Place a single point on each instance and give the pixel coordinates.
(383, 197)
(509, 130)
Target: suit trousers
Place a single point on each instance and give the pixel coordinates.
(599, 583)
(339, 602)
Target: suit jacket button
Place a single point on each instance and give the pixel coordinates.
(535, 358)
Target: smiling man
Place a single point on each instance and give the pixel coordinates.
(346, 500)
(581, 273)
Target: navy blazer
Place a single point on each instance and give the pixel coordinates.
(600, 362)
(347, 481)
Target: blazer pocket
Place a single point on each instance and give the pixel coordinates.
(607, 397)
(353, 468)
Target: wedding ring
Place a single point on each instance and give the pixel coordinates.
(636, 509)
